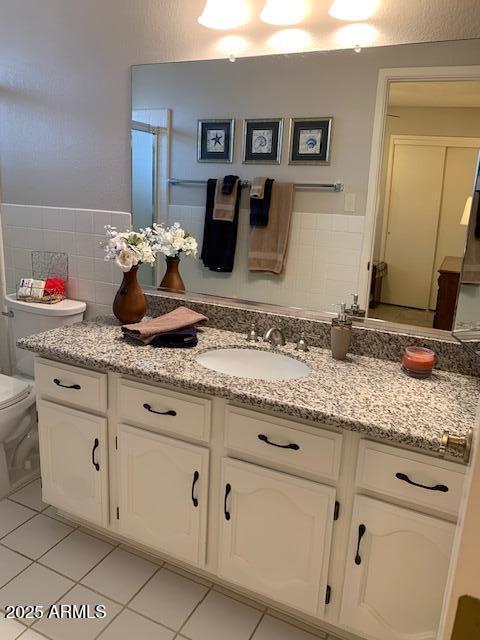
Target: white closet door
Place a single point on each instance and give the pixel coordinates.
(412, 209)
(460, 163)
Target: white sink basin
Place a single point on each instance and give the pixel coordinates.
(253, 363)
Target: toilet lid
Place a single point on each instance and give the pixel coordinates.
(12, 390)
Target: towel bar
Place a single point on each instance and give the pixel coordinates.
(329, 186)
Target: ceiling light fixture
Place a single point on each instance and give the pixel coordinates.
(356, 35)
(352, 10)
(284, 12)
(225, 14)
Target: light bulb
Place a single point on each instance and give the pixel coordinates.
(284, 12)
(352, 10)
(224, 14)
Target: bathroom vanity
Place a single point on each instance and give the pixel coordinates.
(323, 496)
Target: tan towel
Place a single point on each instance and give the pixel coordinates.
(179, 318)
(257, 189)
(268, 245)
(224, 207)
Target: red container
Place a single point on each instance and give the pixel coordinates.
(418, 362)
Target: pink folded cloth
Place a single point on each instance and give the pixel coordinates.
(147, 330)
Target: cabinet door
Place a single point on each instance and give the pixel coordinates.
(73, 461)
(396, 572)
(275, 534)
(163, 493)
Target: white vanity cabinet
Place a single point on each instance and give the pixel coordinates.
(275, 534)
(163, 493)
(315, 521)
(397, 567)
(73, 461)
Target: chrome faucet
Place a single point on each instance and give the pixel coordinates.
(275, 337)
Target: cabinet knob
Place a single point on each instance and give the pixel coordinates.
(463, 444)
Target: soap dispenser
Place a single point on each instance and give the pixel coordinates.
(341, 334)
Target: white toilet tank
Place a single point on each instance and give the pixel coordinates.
(35, 317)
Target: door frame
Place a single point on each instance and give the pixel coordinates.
(385, 78)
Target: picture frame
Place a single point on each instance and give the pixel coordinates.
(262, 140)
(310, 140)
(215, 140)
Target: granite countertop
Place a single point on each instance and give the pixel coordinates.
(361, 394)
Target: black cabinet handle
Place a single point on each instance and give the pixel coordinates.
(95, 446)
(361, 532)
(228, 488)
(437, 487)
(196, 476)
(77, 387)
(148, 407)
(264, 438)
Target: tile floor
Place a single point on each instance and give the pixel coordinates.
(46, 560)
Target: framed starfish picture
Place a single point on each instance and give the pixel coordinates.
(215, 140)
(310, 140)
(262, 141)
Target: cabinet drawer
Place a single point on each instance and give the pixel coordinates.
(283, 442)
(80, 387)
(410, 476)
(165, 410)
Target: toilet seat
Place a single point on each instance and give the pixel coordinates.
(12, 390)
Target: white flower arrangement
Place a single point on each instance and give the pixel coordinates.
(129, 248)
(132, 248)
(171, 241)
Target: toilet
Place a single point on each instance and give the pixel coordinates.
(19, 460)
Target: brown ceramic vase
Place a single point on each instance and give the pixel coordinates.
(130, 304)
(172, 280)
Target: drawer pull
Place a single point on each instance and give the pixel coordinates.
(77, 387)
(437, 487)
(228, 488)
(148, 407)
(361, 532)
(292, 445)
(95, 446)
(196, 476)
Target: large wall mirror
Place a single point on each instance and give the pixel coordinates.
(304, 123)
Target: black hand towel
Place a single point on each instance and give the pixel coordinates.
(228, 184)
(219, 236)
(181, 338)
(259, 208)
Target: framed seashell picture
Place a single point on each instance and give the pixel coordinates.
(262, 141)
(310, 140)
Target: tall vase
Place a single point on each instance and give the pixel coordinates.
(172, 280)
(130, 304)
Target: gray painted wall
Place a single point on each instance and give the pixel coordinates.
(65, 91)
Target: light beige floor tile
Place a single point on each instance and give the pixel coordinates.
(273, 629)
(31, 635)
(11, 564)
(76, 555)
(120, 575)
(12, 515)
(36, 536)
(52, 512)
(30, 496)
(82, 628)
(36, 585)
(130, 625)
(10, 629)
(168, 598)
(219, 617)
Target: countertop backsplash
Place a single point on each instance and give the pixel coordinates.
(366, 341)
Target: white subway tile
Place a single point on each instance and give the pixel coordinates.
(103, 270)
(83, 221)
(86, 290)
(84, 267)
(100, 220)
(84, 244)
(121, 220)
(104, 293)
